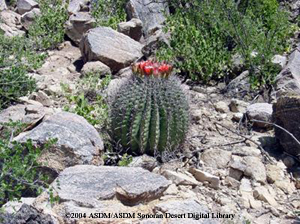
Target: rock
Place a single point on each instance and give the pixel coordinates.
(28, 214)
(78, 24)
(285, 185)
(153, 42)
(41, 97)
(237, 116)
(247, 151)
(23, 113)
(10, 23)
(251, 166)
(2, 5)
(196, 114)
(76, 6)
(132, 28)
(95, 67)
(274, 173)
(245, 185)
(288, 80)
(114, 49)
(279, 60)
(78, 142)
(28, 18)
(216, 158)
(131, 185)
(232, 182)
(255, 169)
(180, 178)
(144, 161)
(238, 106)
(221, 107)
(204, 176)
(286, 115)
(151, 14)
(26, 6)
(239, 87)
(261, 193)
(192, 208)
(12, 207)
(261, 112)
(289, 161)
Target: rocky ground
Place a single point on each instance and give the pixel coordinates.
(230, 170)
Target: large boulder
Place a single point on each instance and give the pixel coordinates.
(78, 142)
(151, 13)
(26, 5)
(286, 115)
(114, 49)
(288, 80)
(130, 185)
(78, 24)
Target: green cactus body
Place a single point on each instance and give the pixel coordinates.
(150, 114)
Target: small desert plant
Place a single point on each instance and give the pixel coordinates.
(150, 112)
(19, 170)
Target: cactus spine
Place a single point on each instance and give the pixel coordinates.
(150, 113)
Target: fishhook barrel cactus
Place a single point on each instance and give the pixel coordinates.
(150, 112)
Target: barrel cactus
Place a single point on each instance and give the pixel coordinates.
(150, 112)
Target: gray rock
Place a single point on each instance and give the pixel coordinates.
(144, 161)
(179, 178)
(153, 42)
(78, 24)
(216, 158)
(288, 80)
(28, 214)
(131, 185)
(114, 49)
(151, 13)
(28, 18)
(221, 107)
(262, 193)
(286, 115)
(41, 97)
(76, 6)
(204, 176)
(26, 5)
(25, 113)
(2, 5)
(188, 206)
(239, 87)
(279, 60)
(95, 67)
(10, 23)
(261, 112)
(132, 28)
(78, 142)
(12, 207)
(255, 169)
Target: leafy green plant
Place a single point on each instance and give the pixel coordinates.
(109, 12)
(205, 34)
(19, 169)
(150, 113)
(48, 30)
(125, 160)
(87, 101)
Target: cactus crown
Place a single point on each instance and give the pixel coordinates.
(150, 113)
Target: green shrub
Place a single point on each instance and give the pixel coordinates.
(19, 169)
(109, 12)
(48, 29)
(205, 34)
(87, 102)
(17, 58)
